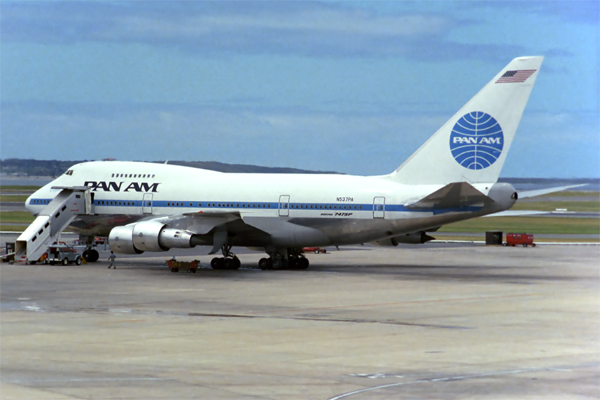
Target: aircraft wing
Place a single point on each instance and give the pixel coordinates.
(200, 223)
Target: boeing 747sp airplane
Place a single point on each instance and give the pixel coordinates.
(147, 207)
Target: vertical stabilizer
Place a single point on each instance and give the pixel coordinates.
(473, 144)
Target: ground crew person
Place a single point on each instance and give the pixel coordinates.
(111, 258)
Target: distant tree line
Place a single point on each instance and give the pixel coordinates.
(29, 167)
(54, 168)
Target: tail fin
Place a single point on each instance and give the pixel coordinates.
(473, 144)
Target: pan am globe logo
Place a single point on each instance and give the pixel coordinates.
(476, 140)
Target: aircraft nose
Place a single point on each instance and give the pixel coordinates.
(28, 204)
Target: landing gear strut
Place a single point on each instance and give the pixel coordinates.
(228, 261)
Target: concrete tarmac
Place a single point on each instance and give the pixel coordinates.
(422, 322)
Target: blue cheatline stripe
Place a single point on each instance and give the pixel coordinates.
(264, 205)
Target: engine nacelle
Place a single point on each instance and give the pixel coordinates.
(147, 236)
(120, 240)
(409, 238)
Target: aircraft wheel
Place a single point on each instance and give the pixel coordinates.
(232, 263)
(279, 264)
(217, 263)
(265, 263)
(91, 255)
(303, 263)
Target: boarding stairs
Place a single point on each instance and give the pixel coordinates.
(51, 221)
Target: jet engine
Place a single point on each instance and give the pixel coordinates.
(409, 238)
(147, 236)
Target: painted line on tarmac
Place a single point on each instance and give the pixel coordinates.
(327, 319)
(120, 322)
(412, 302)
(42, 380)
(463, 377)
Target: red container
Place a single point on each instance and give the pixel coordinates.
(190, 266)
(523, 239)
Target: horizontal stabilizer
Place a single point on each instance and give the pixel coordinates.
(533, 193)
(519, 213)
(454, 195)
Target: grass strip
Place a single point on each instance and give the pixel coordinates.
(16, 198)
(555, 225)
(593, 195)
(12, 228)
(11, 188)
(582, 206)
(481, 238)
(16, 217)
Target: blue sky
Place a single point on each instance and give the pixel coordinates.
(347, 86)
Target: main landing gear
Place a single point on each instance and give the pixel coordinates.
(291, 259)
(228, 261)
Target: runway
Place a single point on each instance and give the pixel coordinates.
(421, 322)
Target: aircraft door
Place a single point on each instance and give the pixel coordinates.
(284, 205)
(147, 203)
(379, 207)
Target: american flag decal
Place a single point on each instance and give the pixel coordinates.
(516, 76)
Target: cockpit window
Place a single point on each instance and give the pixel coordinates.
(69, 172)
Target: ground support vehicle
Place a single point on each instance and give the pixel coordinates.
(63, 254)
(519, 239)
(174, 265)
(315, 250)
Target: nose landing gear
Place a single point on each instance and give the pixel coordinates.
(90, 255)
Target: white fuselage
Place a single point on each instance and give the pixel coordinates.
(293, 209)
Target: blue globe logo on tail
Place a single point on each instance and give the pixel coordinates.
(476, 140)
